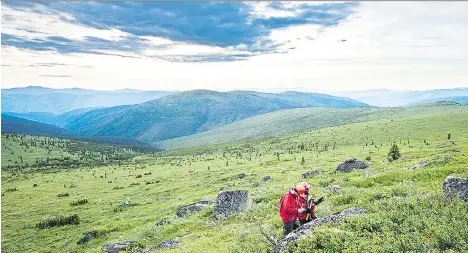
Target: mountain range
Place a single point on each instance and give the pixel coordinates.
(192, 118)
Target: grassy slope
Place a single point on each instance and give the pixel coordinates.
(192, 112)
(419, 224)
(292, 120)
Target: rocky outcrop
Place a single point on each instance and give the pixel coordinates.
(169, 244)
(229, 202)
(308, 228)
(456, 186)
(311, 173)
(117, 247)
(195, 207)
(351, 164)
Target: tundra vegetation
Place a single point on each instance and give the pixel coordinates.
(60, 195)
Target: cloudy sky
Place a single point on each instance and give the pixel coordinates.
(235, 45)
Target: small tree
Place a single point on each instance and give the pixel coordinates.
(303, 161)
(394, 153)
(449, 136)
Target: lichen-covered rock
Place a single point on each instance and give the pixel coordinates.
(333, 188)
(308, 228)
(256, 184)
(117, 247)
(266, 179)
(311, 173)
(168, 244)
(454, 186)
(229, 202)
(195, 207)
(351, 164)
(126, 204)
(242, 175)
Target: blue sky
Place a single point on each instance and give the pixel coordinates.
(232, 45)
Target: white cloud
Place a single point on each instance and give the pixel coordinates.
(397, 45)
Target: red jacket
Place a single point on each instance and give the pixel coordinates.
(288, 207)
(303, 204)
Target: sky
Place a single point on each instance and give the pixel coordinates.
(235, 45)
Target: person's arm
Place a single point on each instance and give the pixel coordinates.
(319, 201)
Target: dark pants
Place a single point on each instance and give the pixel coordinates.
(289, 227)
(302, 222)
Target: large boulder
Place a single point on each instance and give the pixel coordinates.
(117, 247)
(195, 207)
(351, 164)
(308, 228)
(454, 186)
(229, 202)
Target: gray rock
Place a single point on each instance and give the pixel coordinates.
(351, 164)
(421, 165)
(283, 172)
(266, 179)
(229, 202)
(168, 244)
(333, 188)
(242, 175)
(308, 228)
(117, 247)
(87, 237)
(126, 204)
(163, 221)
(454, 186)
(195, 207)
(256, 184)
(311, 173)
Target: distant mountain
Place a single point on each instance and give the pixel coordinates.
(384, 97)
(191, 112)
(15, 125)
(57, 101)
(293, 120)
(461, 100)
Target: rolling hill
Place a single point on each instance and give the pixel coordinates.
(15, 125)
(459, 99)
(293, 120)
(58, 101)
(192, 112)
(385, 97)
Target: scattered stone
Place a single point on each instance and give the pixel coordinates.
(256, 184)
(283, 172)
(163, 221)
(454, 151)
(308, 228)
(126, 204)
(311, 173)
(446, 144)
(334, 188)
(117, 247)
(421, 165)
(87, 237)
(168, 244)
(370, 174)
(454, 186)
(242, 175)
(345, 179)
(351, 164)
(267, 179)
(229, 202)
(195, 207)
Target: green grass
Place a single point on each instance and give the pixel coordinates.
(407, 210)
(293, 120)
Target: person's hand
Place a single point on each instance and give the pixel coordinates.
(300, 210)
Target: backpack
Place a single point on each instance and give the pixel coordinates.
(282, 201)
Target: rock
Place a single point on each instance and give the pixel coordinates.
(117, 247)
(283, 172)
(87, 237)
(454, 186)
(126, 204)
(351, 164)
(334, 188)
(421, 165)
(195, 207)
(311, 173)
(266, 179)
(308, 228)
(163, 221)
(256, 184)
(229, 202)
(242, 175)
(168, 244)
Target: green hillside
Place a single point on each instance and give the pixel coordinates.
(406, 208)
(192, 112)
(292, 120)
